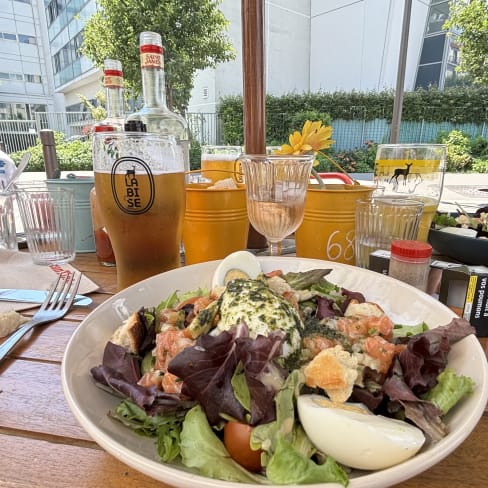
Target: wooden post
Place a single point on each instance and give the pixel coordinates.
(254, 90)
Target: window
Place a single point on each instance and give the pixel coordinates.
(437, 16)
(27, 39)
(54, 8)
(37, 107)
(432, 49)
(11, 76)
(8, 37)
(69, 53)
(205, 92)
(33, 78)
(428, 75)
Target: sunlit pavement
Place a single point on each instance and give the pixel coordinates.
(468, 190)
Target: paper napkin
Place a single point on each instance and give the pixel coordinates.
(18, 271)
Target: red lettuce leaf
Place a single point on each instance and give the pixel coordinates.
(120, 371)
(263, 376)
(425, 356)
(207, 369)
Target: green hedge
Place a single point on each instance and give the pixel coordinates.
(457, 105)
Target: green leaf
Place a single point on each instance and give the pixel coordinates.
(287, 466)
(203, 450)
(449, 390)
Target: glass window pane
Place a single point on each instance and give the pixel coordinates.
(432, 49)
(437, 16)
(428, 75)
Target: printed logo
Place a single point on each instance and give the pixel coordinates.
(132, 185)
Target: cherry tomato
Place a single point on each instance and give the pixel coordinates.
(237, 437)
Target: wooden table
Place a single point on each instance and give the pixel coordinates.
(42, 445)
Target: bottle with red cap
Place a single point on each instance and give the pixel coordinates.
(113, 80)
(410, 262)
(155, 114)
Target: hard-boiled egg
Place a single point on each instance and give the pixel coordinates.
(354, 436)
(239, 264)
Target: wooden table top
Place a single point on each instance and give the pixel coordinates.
(43, 446)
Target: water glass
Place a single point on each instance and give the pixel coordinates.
(48, 218)
(8, 236)
(140, 187)
(380, 220)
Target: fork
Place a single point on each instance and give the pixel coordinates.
(56, 305)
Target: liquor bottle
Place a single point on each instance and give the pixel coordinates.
(155, 114)
(113, 80)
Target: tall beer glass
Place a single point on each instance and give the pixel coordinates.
(140, 185)
(413, 171)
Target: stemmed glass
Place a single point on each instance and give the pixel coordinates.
(276, 186)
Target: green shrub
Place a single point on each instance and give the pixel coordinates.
(72, 155)
(480, 165)
(195, 155)
(458, 151)
(479, 147)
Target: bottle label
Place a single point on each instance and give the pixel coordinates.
(151, 56)
(113, 78)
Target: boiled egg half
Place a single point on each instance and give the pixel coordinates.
(354, 436)
(239, 264)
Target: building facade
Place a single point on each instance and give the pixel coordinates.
(311, 45)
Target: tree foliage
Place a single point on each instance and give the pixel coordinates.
(193, 34)
(470, 17)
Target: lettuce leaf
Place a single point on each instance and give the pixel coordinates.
(288, 466)
(449, 390)
(165, 427)
(409, 330)
(201, 449)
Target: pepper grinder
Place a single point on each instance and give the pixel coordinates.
(49, 154)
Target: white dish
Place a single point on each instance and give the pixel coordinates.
(403, 303)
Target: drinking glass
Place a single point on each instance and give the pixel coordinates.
(140, 186)
(219, 163)
(276, 187)
(413, 171)
(380, 220)
(48, 218)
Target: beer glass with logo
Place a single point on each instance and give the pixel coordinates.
(140, 185)
(413, 171)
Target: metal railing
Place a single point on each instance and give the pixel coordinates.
(208, 128)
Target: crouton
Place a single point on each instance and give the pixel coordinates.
(10, 321)
(367, 309)
(130, 334)
(335, 371)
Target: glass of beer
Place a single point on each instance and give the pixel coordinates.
(140, 186)
(413, 171)
(220, 163)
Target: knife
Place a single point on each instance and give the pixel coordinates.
(35, 296)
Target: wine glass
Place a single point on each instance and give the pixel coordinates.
(276, 186)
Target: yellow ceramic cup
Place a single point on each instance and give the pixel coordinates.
(215, 223)
(328, 227)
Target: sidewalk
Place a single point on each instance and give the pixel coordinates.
(469, 190)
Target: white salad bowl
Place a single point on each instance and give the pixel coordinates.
(403, 303)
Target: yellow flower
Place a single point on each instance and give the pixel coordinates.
(314, 137)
